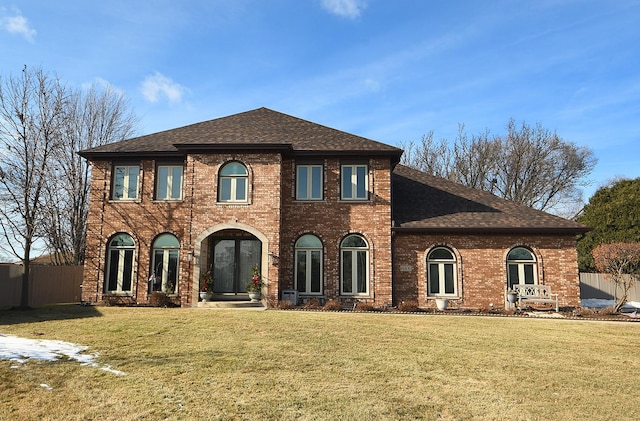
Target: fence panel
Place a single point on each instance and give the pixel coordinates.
(47, 284)
(595, 285)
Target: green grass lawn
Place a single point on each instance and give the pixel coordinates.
(230, 364)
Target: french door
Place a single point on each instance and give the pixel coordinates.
(233, 262)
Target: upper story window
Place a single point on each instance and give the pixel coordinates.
(169, 182)
(232, 183)
(125, 182)
(521, 267)
(441, 264)
(309, 182)
(354, 182)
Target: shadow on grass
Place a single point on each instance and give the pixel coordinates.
(10, 316)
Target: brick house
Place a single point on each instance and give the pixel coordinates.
(328, 214)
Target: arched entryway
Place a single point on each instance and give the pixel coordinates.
(230, 251)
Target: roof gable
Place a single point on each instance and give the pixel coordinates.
(261, 128)
(423, 202)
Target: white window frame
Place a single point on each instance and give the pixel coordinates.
(308, 256)
(170, 180)
(310, 179)
(233, 185)
(125, 182)
(521, 264)
(354, 181)
(164, 270)
(122, 251)
(441, 264)
(354, 251)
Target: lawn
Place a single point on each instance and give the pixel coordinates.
(231, 364)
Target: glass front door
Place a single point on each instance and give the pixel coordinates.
(233, 261)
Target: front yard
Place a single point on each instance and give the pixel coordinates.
(226, 364)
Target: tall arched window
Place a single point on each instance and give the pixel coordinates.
(233, 182)
(354, 264)
(522, 267)
(441, 273)
(120, 254)
(164, 272)
(308, 275)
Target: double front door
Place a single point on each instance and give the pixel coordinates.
(233, 261)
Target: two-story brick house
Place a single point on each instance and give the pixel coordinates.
(326, 213)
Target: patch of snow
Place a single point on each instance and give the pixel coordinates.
(598, 303)
(20, 350)
(46, 386)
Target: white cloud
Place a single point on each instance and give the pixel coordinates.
(18, 25)
(157, 85)
(345, 8)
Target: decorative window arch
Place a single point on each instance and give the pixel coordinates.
(308, 264)
(233, 182)
(120, 264)
(354, 266)
(442, 273)
(522, 267)
(164, 270)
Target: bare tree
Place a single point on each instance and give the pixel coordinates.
(621, 261)
(31, 116)
(529, 165)
(94, 117)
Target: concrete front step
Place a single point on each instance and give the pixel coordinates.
(238, 305)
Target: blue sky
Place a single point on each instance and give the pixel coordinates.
(390, 70)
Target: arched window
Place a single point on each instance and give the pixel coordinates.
(522, 267)
(441, 273)
(232, 183)
(164, 272)
(308, 275)
(120, 253)
(354, 264)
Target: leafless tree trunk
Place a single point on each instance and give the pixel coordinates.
(96, 117)
(529, 165)
(31, 115)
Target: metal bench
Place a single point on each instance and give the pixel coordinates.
(536, 294)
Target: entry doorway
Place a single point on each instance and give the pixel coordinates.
(234, 255)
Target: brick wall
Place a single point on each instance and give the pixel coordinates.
(481, 266)
(332, 219)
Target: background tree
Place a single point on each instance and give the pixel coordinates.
(621, 261)
(31, 119)
(528, 165)
(94, 117)
(614, 214)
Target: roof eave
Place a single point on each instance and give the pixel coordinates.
(492, 230)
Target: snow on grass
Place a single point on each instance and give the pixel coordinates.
(597, 303)
(21, 350)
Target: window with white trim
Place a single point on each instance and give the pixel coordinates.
(125, 182)
(308, 263)
(309, 182)
(354, 266)
(441, 273)
(164, 272)
(522, 267)
(233, 183)
(169, 182)
(120, 263)
(354, 182)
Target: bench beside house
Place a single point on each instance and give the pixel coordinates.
(536, 294)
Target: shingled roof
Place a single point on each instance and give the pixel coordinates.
(257, 129)
(425, 203)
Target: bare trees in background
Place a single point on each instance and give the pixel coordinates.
(528, 165)
(43, 182)
(94, 117)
